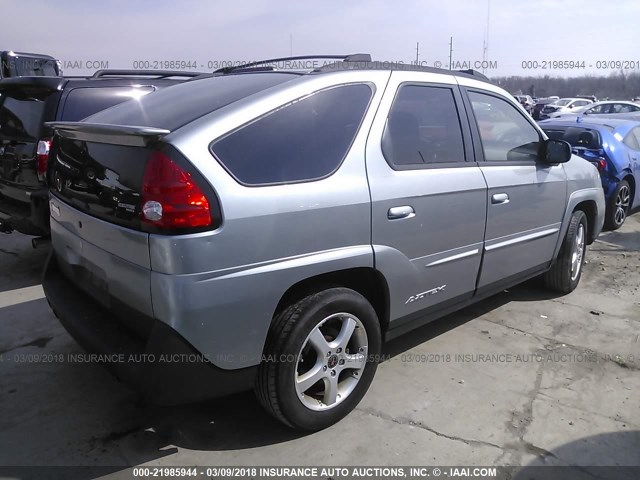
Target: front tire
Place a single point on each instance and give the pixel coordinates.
(565, 273)
(618, 206)
(318, 359)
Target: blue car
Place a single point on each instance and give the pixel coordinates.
(613, 146)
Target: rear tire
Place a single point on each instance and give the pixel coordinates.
(565, 273)
(318, 359)
(618, 206)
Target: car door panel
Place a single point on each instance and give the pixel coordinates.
(525, 197)
(432, 254)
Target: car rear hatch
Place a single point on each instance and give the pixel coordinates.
(113, 183)
(96, 237)
(585, 142)
(110, 187)
(25, 103)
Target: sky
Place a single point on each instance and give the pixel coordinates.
(522, 37)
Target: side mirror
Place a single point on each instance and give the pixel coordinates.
(556, 151)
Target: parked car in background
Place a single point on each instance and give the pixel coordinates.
(526, 101)
(26, 104)
(563, 105)
(277, 226)
(19, 64)
(634, 116)
(609, 107)
(539, 105)
(613, 146)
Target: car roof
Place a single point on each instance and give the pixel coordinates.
(606, 102)
(358, 61)
(102, 78)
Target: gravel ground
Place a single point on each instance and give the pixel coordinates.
(523, 378)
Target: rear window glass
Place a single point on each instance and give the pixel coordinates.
(33, 67)
(82, 102)
(577, 137)
(304, 140)
(171, 108)
(99, 179)
(20, 119)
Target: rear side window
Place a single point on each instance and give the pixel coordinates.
(632, 140)
(20, 119)
(82, 102)
(423, 127)
(623, 108)
(304, 140)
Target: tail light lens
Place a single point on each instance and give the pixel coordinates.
(42, 158)
(171, 198)
(600, 163)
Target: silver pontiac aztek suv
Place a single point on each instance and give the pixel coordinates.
(269, 229)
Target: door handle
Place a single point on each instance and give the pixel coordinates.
(396, 213)
(499, 198)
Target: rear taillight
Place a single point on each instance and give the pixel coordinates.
(171, 199)
(42, 158)
(600, 163)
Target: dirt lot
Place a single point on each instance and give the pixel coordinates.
(521, 378)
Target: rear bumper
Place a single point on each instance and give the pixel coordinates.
(161, 366)
(30, 218)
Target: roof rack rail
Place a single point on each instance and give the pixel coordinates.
(355, 57)
(474, 73)
(144, 73)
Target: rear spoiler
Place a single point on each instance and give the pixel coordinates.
(31, 86)
(133, 136)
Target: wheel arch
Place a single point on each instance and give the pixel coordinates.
(590, 209)
(370, 283)
(630, 179)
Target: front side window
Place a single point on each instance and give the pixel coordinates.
(598, 109)
(302, 141)
(423, 127)
(506, 135)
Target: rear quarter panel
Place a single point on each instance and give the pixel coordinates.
(220, 289)
(583, 184)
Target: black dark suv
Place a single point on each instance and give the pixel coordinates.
(26, 103)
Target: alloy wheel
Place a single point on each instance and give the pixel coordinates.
(577, 252)
(622, 205)
(331, 361)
